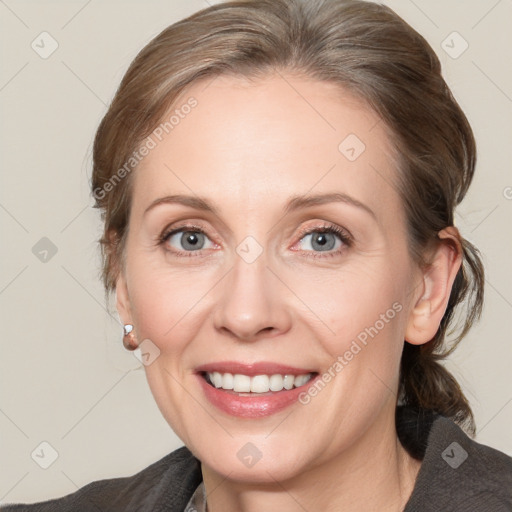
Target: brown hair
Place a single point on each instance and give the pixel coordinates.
(365, 48)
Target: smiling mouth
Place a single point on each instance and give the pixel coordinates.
(246, 385)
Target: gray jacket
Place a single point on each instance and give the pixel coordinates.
(457, 475)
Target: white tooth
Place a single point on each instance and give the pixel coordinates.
(288, 381)
(259, 384)
(300, 380)
(227, 381)
(276, 383)
(216, 379)
(241, 383)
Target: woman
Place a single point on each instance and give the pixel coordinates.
(278, 181)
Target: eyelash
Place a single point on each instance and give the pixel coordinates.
(343, 235)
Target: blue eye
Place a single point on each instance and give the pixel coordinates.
(327, 239)
(189, 239)
(324, 241)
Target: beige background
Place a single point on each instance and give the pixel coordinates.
(65, 377)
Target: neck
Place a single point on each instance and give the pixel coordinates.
(375, 474)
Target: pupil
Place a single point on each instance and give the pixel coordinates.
(190, 240)
(322, 242)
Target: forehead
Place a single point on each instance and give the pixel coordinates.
(249, 142)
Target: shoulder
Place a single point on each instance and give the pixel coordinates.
(459, 474)
(166, 484)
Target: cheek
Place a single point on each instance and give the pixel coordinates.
(353, 302)
(361, 332)
(166, 306)
(164, 300)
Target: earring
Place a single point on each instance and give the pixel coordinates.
(129, 341)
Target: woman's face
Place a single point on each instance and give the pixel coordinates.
(248, 290)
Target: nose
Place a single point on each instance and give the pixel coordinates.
(252, 305)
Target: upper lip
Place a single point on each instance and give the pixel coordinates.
(252, 369)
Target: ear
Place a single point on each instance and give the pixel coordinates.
(117, 269)
(123, 300)
(437, 282)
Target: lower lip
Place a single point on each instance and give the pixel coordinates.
(254, 406)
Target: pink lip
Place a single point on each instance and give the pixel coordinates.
(256, 405)
(260, 368)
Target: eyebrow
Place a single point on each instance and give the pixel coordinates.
(294, 203)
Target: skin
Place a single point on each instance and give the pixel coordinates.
(247, 147)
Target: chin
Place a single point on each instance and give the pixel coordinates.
(262, 472)
(253, 459)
